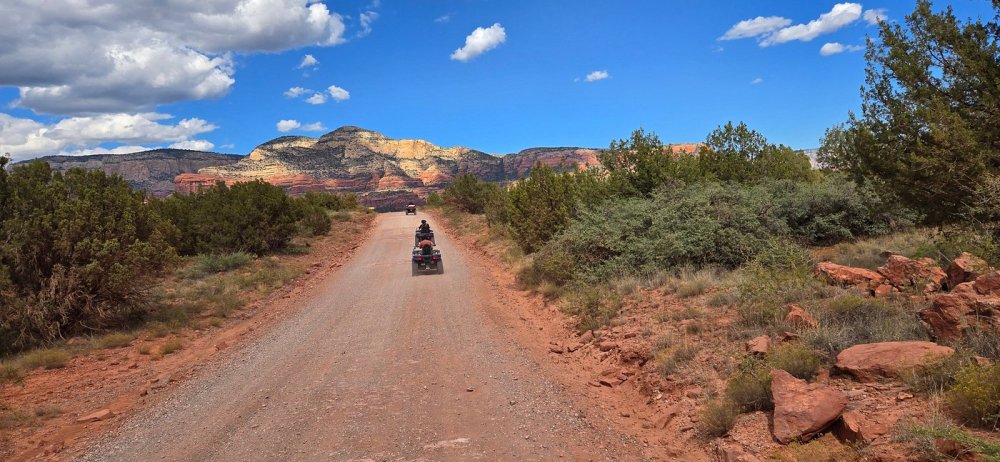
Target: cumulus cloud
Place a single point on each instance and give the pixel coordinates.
(774, 30)
(480, 41)
(308, 61)
(338, 94)
(194, 145)
(757, 81)
(597, 75)
(26, 138)
(316, 98)
(287, 125)
(876, 15)
(107, 56)
(833, 48)
(314, 127)
(841, 15)
(754, 27)
(296, 92)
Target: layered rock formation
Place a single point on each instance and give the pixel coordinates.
(386, 173)
(153, 171)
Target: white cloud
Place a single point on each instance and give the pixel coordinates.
(480, 41)
(774, 30)
(316, 98)
(308, 61)
(597, 75)
(296, 92)
(755, 27)
(443, 19)
(366, 20)
(104, 56)
(314, 127)
(757, 81)
(26, 138)
(194, 145)
(287, 125)
(833, 48)
(101, 150)
(841, 15)
(875, 15)
(338, 94)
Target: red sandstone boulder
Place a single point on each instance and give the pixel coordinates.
(966, 267)
(903, 272)
(759, 345)
(801, 410)
(969, 304)
(871, 361)
(800, 318)
(847, 276)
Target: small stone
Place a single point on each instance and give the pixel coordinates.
(587, 337)
(103, 414)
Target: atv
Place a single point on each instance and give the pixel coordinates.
(411, 209)
(421, 235)
(426, 261)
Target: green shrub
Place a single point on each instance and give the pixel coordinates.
(434, 199)
(48, 358)
(315, 220)
(331, 201)
(975, 396)
(750, 386)
(468, 193)
(253, 217)
(78, 253)
(10, 373)
(718, 416)
(796, 359)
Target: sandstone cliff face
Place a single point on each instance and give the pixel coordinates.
(153, 171)
(384, 172)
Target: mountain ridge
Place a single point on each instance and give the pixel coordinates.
(383, 171)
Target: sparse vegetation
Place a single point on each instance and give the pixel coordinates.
(975, 395)
(171, 346)
(925, 437)
(749, 388)
(211, 263)
(796, 359)
(48, 358)
(718, 416)
(115, 340)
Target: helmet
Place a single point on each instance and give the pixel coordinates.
(423, 221)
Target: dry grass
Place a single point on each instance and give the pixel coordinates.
(923, 436)
(820, 450)
(718, 416)
(114, 340)
(796, 359)
(171, 346)
(46, 411)
(13, 418)
(692, 283)
(872, 253)
(48, 358)
(144, 349)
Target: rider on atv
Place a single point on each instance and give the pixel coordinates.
(424, 227)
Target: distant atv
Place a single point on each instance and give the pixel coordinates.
(426, 261)
(411, 209)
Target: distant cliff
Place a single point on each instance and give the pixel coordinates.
(385, 172)
(153, 171)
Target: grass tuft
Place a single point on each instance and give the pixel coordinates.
(48, 358)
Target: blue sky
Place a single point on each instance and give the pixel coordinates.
(224, 85)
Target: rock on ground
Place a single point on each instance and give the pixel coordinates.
(801, 409)
(871, 361)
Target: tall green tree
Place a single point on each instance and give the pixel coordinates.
(740, 154)
(640, 164)
(931, 102)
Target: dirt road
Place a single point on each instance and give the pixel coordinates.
(377, 365)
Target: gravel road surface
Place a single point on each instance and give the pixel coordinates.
(377, 365)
